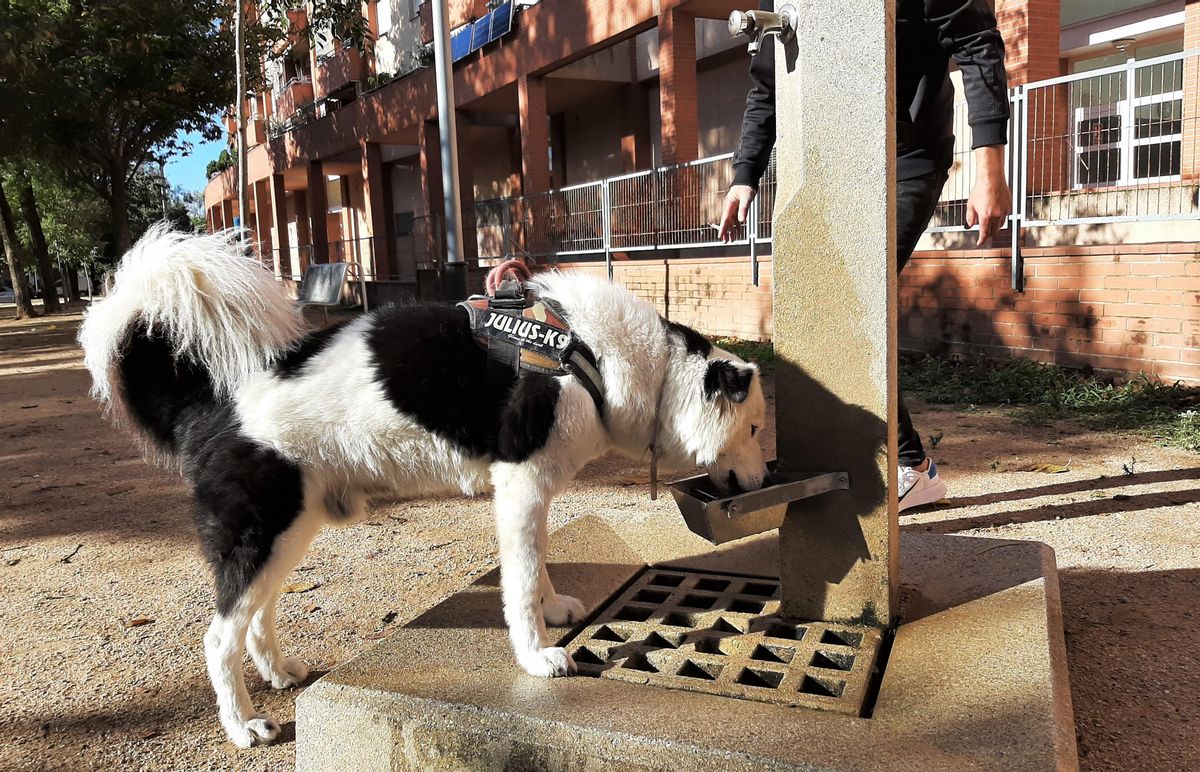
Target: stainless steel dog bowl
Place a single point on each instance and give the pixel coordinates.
(720, 519)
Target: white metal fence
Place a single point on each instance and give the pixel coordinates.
(672, 207)
(1117, 144)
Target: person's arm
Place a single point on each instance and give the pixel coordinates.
(758, 136)
(967, 29)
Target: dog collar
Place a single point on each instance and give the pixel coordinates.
(521, 331)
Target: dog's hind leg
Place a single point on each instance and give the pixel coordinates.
(255, 518)
(250, 617)
(276, 669)
(223, 654)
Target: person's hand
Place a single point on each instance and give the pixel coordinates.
(990, 201)
(737, 204)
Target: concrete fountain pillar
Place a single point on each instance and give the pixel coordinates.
(835, 307)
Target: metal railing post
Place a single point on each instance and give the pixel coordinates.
(506, 229)
(362, 274)
(1017, 158)
(1127, 163)
(752, 235)
(606, 226)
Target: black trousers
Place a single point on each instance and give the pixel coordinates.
(915, 201)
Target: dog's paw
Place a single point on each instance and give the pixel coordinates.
(256, 730)
(287, 672)
(562, 609)
(547, 663)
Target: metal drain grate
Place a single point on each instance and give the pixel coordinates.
(722, 635)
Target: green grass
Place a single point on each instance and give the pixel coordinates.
(762, 354)
(1143, 404)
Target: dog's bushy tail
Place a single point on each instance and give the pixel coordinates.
(198, 302)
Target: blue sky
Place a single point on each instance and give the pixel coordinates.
(188, 171)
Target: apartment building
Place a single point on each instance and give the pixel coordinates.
(595, 136)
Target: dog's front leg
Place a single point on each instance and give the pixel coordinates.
(523, 493)
(556, 609)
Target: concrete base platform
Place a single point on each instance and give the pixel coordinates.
(977, 677)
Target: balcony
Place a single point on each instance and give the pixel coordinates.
(297, 23)
(344, 66)
(296, 93)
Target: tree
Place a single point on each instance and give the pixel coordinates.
(12, 254)
(99, 87)
(146, 204)
(37, 242)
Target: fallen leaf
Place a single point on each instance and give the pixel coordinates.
(12, 562)
(1045, 468)
(137, 622)
(389, 617)
(298, 587)
(311, 608)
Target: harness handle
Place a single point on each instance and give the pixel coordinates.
(513, 268)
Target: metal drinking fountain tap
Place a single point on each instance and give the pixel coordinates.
(758, 24)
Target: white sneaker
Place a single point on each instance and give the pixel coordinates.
(920, 488)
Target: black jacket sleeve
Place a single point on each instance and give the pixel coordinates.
(758, 123)
(967, 31)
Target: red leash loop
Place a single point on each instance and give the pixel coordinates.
(513, 268)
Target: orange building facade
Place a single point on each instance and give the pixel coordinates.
(562, 118)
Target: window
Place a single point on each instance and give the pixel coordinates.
(383, 11)
(414, 8)
(1127, 126)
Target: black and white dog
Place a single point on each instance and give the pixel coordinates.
(281, 431)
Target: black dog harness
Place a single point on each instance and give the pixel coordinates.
(522, 331)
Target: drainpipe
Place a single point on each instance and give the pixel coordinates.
(454, 278)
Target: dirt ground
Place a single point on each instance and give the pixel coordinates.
(104, 597)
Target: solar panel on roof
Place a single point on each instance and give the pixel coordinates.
(460, 43)
(480, 31)
(502, 17)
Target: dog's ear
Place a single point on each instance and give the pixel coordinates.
(725, 377)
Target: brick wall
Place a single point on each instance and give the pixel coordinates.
(1120, 309)
(1030, 29)
(1124, 309)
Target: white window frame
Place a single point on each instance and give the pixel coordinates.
(1161, 139)
(1127, 143)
